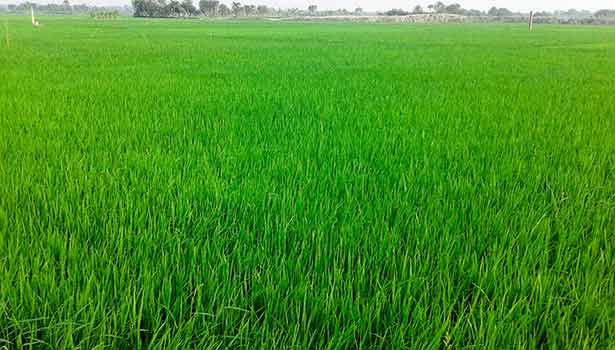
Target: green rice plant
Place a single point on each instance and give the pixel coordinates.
(185, 184)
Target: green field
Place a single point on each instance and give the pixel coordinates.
(178, 184)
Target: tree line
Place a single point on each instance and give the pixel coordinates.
(215, 8)
(451, 9)
(210, 8)
(66, 8)
(456, 9)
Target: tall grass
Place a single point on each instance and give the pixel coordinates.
(181, 184)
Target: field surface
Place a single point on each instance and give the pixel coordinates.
(177, 184)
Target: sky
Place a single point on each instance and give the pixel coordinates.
(382, 5)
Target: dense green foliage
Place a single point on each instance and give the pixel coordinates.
(186, 184)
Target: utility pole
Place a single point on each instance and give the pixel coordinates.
(34, 22)
(531, 21)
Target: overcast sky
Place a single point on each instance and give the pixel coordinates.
(376, 5)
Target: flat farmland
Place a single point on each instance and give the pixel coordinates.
(177, 184)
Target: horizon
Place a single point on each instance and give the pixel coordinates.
(374, 6)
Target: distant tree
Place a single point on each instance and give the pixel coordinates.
(66, 5)
(604, 13)
(396, 12)
(474, 13)
(579, 13)
(223, 10)
(262, 10)
(26, 6)
(506, 12)
(438, 7)
(455, 9)
(81, 8)
(139, 8)
(417, 10)
(209, 7)
(175, 9)
(189, 7)
(150, 8)
(236, 8)
(358, 11)
(499, 12)
(312, 9)
(215, 4)
(249, 10)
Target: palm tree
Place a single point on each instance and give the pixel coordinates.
(236, 8)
